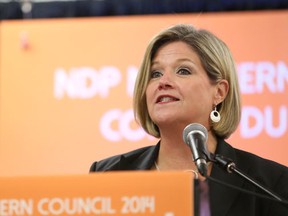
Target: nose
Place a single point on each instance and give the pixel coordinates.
(165, 82)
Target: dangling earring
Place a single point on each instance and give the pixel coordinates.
(215, 115)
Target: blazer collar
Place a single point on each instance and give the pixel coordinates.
(143, 161)
(220, 194)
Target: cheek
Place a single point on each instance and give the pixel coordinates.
(200, 95)
(149, 96)
(149, 93)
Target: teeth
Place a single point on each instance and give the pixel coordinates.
(166, 99)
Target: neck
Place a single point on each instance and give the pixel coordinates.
(195, 172)
(174, 154)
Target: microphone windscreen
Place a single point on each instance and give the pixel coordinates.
(195, 128)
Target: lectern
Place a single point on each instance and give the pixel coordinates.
(108, 193)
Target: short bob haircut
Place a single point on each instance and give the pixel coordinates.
(216, 60)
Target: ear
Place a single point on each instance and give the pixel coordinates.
(222, 88)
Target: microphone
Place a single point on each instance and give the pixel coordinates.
(195, 136)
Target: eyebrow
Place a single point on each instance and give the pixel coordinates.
(178, 60)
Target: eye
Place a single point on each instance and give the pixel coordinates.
(184, 71)
(155, 74)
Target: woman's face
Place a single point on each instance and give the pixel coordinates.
(179, 90)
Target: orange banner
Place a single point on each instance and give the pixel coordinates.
(66, 87)
(117, 193)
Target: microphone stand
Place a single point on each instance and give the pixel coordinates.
(230, 167)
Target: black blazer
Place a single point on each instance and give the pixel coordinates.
(224, 201)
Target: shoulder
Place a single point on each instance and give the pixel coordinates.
(137, 159)
(249, 161)
(270, 173)
(257, 163)
(261, 168)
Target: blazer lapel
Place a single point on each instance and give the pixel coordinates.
(221, 196)
(143, 161)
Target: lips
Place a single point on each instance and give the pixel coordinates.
(166, 98)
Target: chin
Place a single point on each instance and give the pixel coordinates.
(167, 119)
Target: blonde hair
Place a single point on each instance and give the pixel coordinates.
(217, 61)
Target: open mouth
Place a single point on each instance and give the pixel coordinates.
(164, 99)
